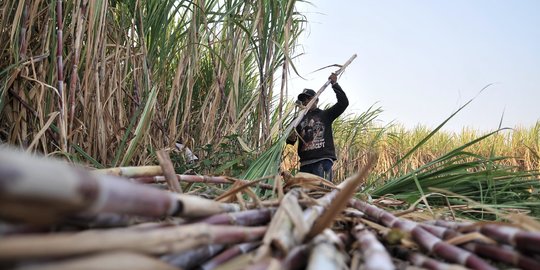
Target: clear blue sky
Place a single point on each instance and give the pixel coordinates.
(420, 60)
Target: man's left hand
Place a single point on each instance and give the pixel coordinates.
(333, 78)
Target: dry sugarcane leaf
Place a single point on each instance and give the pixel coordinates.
(237, 187)
(253, 196)
(487, 209)
(385, 201)
(104, 261)
(418, 216)
(45, 127)
(278, 187)
(379, 228)
(342, 198)
(241, 201)
(279, 237)
(308, 200)
(465, 238)
(308, 181)
(526, 222)
(293, 209)
(229, 196)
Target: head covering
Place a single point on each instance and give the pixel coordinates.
(307, 93)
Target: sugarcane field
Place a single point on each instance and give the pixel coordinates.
(159, 134)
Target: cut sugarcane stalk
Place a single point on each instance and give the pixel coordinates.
(425, 239)
(157, 241)
(325, 254)
(375, 255)
(229, 254)
(522, 240)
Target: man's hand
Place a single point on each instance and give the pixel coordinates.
(333, 78)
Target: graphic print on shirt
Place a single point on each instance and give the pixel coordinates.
(312, 133)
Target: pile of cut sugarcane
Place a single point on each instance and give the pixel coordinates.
(57, 216)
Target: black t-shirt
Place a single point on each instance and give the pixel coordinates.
(315, 130)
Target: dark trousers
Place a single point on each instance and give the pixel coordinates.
(321, 168)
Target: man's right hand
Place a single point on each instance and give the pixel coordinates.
(292, 137)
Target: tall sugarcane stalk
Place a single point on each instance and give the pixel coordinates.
(80, 15)
(60, 75)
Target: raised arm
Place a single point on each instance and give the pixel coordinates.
(342, 100)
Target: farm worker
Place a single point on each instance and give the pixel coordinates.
(316, 145)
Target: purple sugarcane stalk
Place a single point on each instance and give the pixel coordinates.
(192, 258)
(505, 255)
(522, 240)
(441, 232)
(420, 260)
(296, 259)
(244, 218)
(425, 239)
(494, 252)
(59, 190)
(449, 224)
(374, 253)
(229, 254)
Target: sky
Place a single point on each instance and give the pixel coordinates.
(420, 60)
